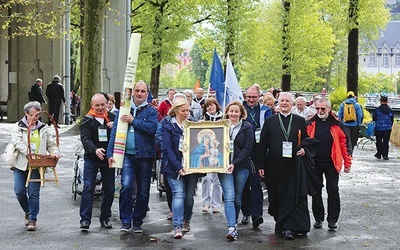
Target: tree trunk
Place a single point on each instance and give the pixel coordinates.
(230, 31)
(286, 77)
(155, 81)
(352, 52)
(93, 13)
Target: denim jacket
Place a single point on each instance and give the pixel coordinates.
(145, 125)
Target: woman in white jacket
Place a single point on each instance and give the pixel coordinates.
(42, 142)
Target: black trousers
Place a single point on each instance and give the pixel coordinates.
(252, 197)
(353, 133)
(332, 188)
(54, 110)
(382, 142)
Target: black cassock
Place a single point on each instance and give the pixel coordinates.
(289, 209)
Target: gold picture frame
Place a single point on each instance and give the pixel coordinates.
(212, 157)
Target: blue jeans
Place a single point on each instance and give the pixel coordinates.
(138, 170)
(28, 198)
(190, 185)
(89, 183)
(178, 200)
(232, 187)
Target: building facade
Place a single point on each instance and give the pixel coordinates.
(383, 56)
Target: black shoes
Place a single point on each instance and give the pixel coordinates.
(245, 219)
(332, 225)
(385, 158)
(278, 229)
(85, 225)
(258, 221)
(318, 224)
(106, 224)
(377, 155)
(289, 235)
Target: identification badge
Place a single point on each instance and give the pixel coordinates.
(257, 135)
(287, 149)
(102, 134)
(33, 147)
(180, 148)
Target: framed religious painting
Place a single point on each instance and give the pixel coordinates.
(206, 146)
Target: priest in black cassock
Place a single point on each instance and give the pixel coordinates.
(276, 162)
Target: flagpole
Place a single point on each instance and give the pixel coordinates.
(226, 78)
(209, 86)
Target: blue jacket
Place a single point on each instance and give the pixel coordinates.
(145, 125)
(172, 157)
(359, 112)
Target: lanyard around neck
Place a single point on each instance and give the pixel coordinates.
(285, 132)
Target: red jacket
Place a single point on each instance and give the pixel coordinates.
(339, 149)
(163, 109)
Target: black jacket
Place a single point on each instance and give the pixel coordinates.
(37, 93)
(55, 92)
(243, 147)
(89, 131)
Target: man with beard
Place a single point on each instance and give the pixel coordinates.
(276, 158)
(329, 159)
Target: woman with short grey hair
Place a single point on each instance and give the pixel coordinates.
(41, 142)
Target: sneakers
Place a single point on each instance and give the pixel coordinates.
(178, 233)
(26, 220)
(232, 233)
(31, 226)
(245, 219)
(205, 208)
(318, 224)
(169, 216)
(186, 226)
(137, 229)
(332, 225)
(126, 227)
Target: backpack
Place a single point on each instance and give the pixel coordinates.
(383, 121)
(30, 96)
(349, 112)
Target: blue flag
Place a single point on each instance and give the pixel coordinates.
(217, 79)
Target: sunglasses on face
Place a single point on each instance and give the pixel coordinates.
(322, 109)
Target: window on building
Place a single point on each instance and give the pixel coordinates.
(372, 60)
(385, 59)
(397, 59)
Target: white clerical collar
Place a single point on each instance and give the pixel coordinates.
(286, 115)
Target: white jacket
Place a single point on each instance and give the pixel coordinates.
(19, 138)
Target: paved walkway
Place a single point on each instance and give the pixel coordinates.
(369, 218)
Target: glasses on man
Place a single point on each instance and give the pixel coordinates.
(319, 108)
(252, 97)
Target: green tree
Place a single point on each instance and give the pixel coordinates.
(200, 64)
(93, 13)
(185, 78)
(164, 24)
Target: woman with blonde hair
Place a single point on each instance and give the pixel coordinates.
(173, 169)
